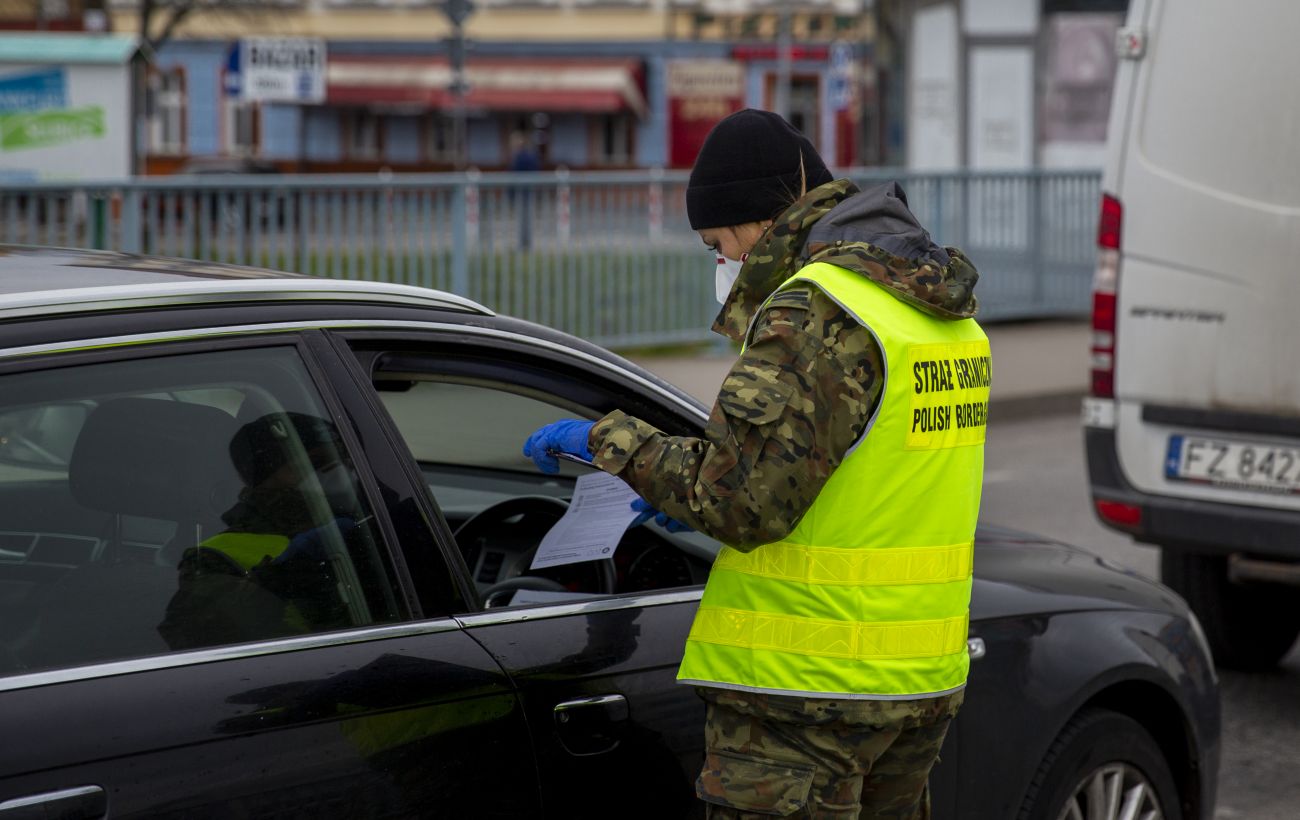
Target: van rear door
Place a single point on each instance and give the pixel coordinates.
(1208, 330)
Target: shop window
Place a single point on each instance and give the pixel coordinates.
(165, 111)
(536, 129)
(804, 103)
(243, 127)
(612, 140)
(439, 138)
(361, 135)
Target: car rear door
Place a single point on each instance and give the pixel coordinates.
(595, 667)
(116, 700)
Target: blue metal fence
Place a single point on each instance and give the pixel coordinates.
(607, 256)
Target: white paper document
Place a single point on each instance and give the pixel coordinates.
(598, 515)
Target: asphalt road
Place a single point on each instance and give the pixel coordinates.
(1035, 480)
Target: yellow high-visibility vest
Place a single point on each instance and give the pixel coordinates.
(247, 549)
(869, 596)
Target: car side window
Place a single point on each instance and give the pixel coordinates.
(467, 432)
(152, 505)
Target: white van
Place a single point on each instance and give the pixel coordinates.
(1193, 427)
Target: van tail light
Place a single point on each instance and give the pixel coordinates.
(1127, 516)
(1105, 283)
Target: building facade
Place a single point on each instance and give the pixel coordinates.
(1005, 84)
(583, 85)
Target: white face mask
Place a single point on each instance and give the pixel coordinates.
(725, 277)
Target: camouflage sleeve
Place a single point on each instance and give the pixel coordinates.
(787, 413)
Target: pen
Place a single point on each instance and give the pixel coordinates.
(571, 457)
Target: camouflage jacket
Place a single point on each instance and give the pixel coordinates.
(808, 380)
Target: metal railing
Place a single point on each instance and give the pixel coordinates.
(607, 256)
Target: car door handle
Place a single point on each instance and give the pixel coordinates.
(976, 648)
(590, 726)
(66, 804)
(613, 707)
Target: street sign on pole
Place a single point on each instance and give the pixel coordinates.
(458, 11)
(279, 69)
(841, 75)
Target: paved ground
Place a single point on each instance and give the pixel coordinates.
(1035, 480)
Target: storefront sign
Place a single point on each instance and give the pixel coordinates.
(277, 69)
(41, 129)
(65, 107)
(33, 91)
(700, 92)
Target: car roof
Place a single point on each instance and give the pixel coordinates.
(44, 281)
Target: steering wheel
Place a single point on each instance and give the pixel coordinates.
(495, 595)
(516, 527)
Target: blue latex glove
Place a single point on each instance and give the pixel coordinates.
(647, 512)
(310, 544)
(565, 436)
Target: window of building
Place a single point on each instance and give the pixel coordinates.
(243, 128)
(361, 135)
(165, 111)
(612, 140)
(439, 138)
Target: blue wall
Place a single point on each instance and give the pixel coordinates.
(324, 139)
(485, 144)
(652, 134)
(402, 140)
(202, 62)
(569, 139)
(281, 131)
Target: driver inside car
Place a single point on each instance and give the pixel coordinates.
(268, 573)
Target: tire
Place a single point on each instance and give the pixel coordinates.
(1249, 626)
(1098, 749)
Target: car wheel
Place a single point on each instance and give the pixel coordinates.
(1249, 626)
(1103, 766)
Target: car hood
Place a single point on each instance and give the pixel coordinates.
(1018, 574)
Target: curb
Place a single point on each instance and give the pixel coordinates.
(1018, 408)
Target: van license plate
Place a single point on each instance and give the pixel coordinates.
(1239, 464)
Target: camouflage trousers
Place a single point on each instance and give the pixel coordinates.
(772, 755)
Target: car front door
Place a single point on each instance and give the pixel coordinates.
(594, 646)
(202, 610)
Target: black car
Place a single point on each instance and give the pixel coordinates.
(266, 547)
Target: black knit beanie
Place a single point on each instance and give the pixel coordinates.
(262, 446)
(748, 171)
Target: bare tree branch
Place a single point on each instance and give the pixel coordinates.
(166, 17)
(177, 15)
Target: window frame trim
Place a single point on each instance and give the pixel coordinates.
(181, 147)
(550, 358)
(230, 652)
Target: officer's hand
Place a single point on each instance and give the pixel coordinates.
(566, 436)
(646, 512)
(311, 543)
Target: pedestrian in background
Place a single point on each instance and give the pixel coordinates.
(524, 158)
(841, 467)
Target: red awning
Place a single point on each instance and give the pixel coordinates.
(601, 86)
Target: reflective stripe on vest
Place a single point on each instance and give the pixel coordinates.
(247, 549)
(869, 596)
